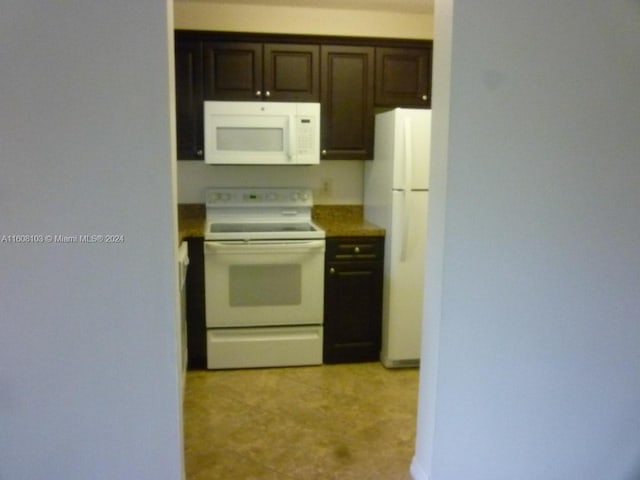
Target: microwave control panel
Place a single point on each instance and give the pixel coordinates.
(305, 135)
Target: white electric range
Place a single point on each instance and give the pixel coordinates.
(264, 278)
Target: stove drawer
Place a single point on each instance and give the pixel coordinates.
(264, 347)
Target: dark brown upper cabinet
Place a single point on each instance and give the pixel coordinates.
(189, 114)
(347, 102)
(232, 70)
(257, 71)
(292, 72)
(349, 76)
(403, 77)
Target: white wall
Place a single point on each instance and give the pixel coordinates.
(88, 358)
(345, 176)
(337, 182)
(533, 273)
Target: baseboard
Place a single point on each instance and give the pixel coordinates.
(417, 472)
(408, 363)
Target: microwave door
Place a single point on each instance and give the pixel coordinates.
(261, 133)
(248, 139)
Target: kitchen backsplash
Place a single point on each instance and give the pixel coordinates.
(334, 182)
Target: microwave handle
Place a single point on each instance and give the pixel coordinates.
(291, 139)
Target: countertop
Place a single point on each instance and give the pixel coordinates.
(336, 220)
(344, 221)
(191, 218)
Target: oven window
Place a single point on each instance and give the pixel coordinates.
(239, 139)
(260, 285)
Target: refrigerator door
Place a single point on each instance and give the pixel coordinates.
(380, 175)
(404, 279)
(413, 134)
(401, 151)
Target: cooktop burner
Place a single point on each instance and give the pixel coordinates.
(261, 227)
(260, 214)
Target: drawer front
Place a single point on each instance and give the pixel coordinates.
(355, 248)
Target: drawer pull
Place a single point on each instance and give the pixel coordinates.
(350, 255)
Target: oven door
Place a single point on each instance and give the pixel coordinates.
(264, 283)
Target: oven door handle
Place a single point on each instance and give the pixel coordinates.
(212, 246)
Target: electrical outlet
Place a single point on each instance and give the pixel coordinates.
(327, 185)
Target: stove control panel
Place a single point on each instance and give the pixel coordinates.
(251, 197)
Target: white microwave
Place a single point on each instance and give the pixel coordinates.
(261, 133)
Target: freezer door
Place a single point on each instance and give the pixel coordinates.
(413, 147)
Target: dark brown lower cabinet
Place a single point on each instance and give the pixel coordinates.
(353, 299)
(196, 323)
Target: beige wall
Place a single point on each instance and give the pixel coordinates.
(203, 15)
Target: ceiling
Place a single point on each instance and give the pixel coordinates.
(399, 6)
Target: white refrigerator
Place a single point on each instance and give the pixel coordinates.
(396, 195)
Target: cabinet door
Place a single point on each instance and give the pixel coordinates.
(353, 296)
(196, 323)
(188, 64)
(347, 102)
(403, 77)
(291, 72)
(232, 71)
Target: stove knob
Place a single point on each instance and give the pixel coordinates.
(304, 196)
(225, 197)
(272, 197)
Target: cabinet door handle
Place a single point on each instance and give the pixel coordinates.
(199, 153)
(356, 250)
(332, 270)
(258, 93)
(267, 93)
(425, 97)
(324, 152)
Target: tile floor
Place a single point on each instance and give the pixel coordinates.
(354, 421)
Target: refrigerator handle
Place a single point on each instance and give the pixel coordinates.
(405, 215)
(408, 164)
(408, 154)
